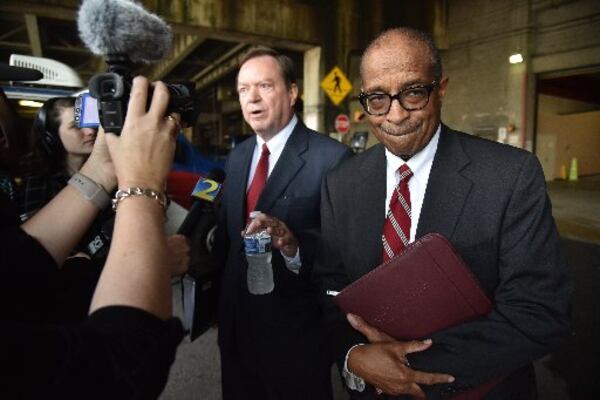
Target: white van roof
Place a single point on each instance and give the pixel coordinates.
(59, 79)
(55, 72)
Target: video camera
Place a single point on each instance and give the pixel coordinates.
(110, 91)
(146, 40)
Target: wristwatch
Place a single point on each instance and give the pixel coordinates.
(90, 190)
(352, 381)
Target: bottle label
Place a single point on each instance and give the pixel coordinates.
(255, 245)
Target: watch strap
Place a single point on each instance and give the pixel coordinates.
(90, 190)
(353, 382)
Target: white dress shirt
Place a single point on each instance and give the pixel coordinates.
(420, 165)
(275, 146)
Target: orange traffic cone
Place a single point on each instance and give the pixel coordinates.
(563, 172)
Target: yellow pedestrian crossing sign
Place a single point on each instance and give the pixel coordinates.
(336, 85)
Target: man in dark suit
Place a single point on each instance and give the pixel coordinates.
(271, 344)
(488, 199)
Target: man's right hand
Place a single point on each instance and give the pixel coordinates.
(383, 363)
(143, 154)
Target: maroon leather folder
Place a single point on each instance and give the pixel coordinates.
(424, 289)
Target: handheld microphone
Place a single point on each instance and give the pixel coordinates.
(123, 27)
(200, 285)
(206, 193)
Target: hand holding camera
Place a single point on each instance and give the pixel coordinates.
(142, 156)
(99, 166)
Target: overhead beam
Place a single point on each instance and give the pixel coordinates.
(40, 10)
(226, 35)
(70, 49)
(25, 47)
(219, 72)
(33, 32)
(183, 46)
(208, 32)
(22, 47)
(224, 59)
(12, 32)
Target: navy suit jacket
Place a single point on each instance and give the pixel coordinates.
(278, 332)
(490, 201)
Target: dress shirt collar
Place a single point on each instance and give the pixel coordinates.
(275, 145)
(277, 142)
(417, 162)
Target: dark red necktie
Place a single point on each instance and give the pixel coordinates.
(396, 228)
(258, 181)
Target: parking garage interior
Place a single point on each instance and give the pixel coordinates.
(549, 103)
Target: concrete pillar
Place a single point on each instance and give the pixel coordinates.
(440, 24)
(314, 100)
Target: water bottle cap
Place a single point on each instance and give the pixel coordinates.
(254, 214)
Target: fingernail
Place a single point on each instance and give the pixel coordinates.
(427, 341)
(351, 318)
(451, 379)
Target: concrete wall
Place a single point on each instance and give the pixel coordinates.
(486, 92)
(567, 34)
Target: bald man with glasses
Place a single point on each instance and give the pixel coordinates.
(488, 199)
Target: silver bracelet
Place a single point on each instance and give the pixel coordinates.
(122, 194)
(90, 190)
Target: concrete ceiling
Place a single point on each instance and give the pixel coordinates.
(199, 55)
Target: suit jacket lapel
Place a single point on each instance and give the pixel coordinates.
(447, 189)
(237, 180)
(369, 211)
(288, 165)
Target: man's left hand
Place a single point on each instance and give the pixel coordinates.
(283, 238)
(383, 362)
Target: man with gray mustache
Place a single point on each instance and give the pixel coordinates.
(488, 199)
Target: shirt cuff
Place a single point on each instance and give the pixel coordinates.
(353, 382)
(293, 263)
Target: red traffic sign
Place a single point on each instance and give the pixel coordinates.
(342, 123)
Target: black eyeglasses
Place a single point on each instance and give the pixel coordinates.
(411, 99)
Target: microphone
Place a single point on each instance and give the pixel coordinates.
(10, 73)
(124, 33)
(123, 27)
(205, 193)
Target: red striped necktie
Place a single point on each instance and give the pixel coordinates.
(396, 228)
(258, 181)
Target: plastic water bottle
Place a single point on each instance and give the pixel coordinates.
(258, 253)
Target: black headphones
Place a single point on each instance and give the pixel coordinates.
(45, 134)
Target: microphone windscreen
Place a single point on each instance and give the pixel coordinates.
(10, 73)
(123, 27)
